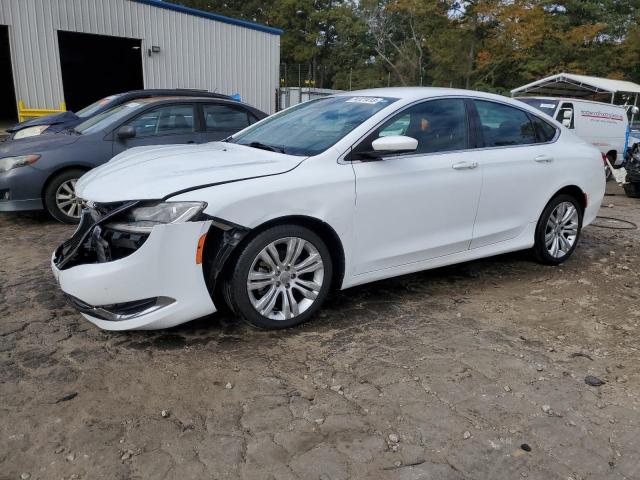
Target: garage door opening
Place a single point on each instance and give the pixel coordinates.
(95, 66)
(8, 112)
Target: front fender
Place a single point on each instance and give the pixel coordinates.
(320, 188)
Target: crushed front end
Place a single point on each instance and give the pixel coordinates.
(123, 278)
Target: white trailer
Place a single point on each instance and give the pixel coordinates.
(604, 125)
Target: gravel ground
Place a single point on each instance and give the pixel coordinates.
(475, 371)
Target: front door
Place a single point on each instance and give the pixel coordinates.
(163, 125)
(422, 205)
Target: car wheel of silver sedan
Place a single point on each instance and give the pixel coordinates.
(281, 277)
(558, 229)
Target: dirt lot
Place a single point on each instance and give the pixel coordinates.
(467, 372)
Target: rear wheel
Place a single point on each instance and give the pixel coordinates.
(611, 157)
(60, 198)
(558, 230)
(281, 277)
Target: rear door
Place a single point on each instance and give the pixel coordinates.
(222, 120)
(161, 125)
(517, 161)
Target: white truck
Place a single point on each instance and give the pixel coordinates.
(604, 125)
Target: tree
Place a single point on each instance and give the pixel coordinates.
(490, 45)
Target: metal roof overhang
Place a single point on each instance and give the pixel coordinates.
(211, 16)
(576, 86)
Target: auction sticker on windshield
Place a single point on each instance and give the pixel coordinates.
(369, 100)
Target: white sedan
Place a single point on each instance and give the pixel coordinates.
(332, 193)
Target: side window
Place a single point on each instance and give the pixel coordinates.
(225, 118)
(166, 120)
(545, 131)
(438, 125)
(565, 115)
(503, 125)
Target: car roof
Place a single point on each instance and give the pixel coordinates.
(180, 98)
(162, 92)
(417, 93)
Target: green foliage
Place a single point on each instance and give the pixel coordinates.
(491, 45)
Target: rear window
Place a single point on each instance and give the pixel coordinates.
(503, 125)
(545, 131)
(224, 118)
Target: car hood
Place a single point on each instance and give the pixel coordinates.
(48, 120)
(145, 173)
(37, 144)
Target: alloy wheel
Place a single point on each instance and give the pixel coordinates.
(562, 229)
(285, 278)
(66, 199)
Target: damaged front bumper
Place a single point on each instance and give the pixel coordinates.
(122, 281)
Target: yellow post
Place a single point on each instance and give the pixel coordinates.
(21, 107)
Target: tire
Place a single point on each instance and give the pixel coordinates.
(59, 186)
(564, 235)
(279, 278)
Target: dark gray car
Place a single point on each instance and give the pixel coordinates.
(41, 171)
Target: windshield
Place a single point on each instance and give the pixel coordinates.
(106, 118)
(94, 107)
(545, 105)
(312, 127)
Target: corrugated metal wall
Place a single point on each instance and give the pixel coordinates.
(195, 52)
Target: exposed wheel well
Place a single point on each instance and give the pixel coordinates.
(324, 230)
(58, 172)
(576, 192)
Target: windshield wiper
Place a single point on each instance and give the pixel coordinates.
(264, 146)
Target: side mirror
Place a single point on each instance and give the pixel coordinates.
(566, 122)
(394, 144)
(567, 114)
(635, 110)
(126, 132)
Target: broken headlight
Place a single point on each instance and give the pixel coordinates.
(143, 218)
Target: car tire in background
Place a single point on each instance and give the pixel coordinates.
(59, 196)
(558, 230)
(280, 277)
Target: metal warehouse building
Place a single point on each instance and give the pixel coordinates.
(78, 51)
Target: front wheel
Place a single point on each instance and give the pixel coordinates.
(558, 230)
(60, 198)
(280, 278)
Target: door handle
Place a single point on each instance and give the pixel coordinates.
(543, 159)
(464, 165)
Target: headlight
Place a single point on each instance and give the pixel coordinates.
(143, 218)
(9, 163)
(30, 131)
